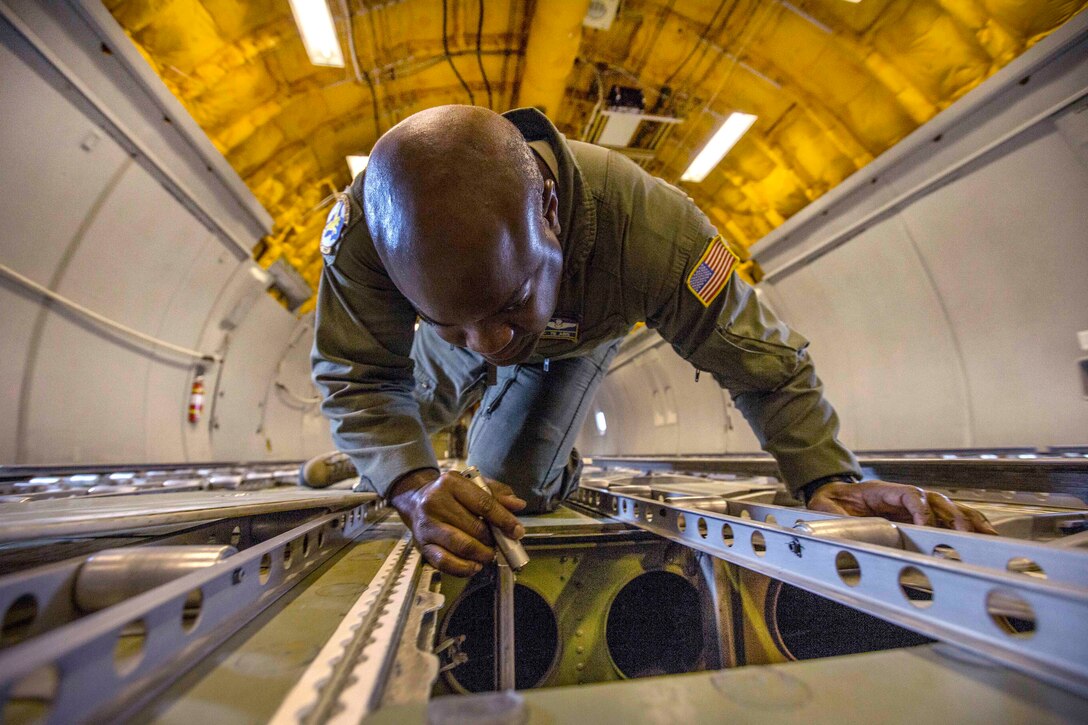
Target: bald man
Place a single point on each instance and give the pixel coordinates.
(520, 251)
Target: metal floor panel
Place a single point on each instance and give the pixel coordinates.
(934, 683)
(78, 516)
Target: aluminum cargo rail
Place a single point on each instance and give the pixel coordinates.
(972, 590)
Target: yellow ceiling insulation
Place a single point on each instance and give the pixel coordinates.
(834, 84)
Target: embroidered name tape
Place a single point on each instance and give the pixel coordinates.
(561, 328)
(712, 271)
(335, 224)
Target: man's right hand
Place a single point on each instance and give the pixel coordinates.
(448, 515)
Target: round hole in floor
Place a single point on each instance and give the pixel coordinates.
(473, 615)
(655, 626)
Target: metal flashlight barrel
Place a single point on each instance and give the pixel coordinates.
(511, 549)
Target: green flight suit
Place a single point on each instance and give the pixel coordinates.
(631, 243)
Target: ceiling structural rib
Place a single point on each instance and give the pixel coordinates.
(555, 36)
(834, 85)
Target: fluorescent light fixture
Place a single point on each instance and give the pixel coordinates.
(357, 164)
(715, 150)
(602, 424)
(318, 32)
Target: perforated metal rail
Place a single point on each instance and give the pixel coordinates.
(1022, 604)
(104, 666)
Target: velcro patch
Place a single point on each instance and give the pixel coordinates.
(561, 328)
(712, 271)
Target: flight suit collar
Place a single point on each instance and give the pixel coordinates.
(577, 212)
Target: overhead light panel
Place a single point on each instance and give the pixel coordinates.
(318, 32)
(357, 164)
(715, 150)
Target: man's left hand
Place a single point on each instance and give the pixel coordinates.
(898, 502)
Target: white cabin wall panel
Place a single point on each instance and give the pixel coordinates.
(126, 267)
(168, 430)
(663, 399)
(316, 434)
(50, 182)
(881, 343)
(51, 186)
(701, 421)
(86, 401)
(284, 415)
(620, 428)
(830, 354)
(83, 217)
(135, 253)
(1007, 245)
(591, 441)
(238, 283)
(256, 347)
(124, 86)
(628, 413)
(637, 405)
(310, 428)
(16, 327)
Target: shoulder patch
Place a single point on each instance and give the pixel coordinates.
(712, 271)
(336, 223)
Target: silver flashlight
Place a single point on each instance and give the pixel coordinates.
(512, 550)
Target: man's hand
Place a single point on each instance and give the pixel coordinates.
(448, 515)
(898, 502)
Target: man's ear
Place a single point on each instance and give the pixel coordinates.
(551, 207)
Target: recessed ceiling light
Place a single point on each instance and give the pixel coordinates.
(715, 150)
(357, 164)
(318, 32)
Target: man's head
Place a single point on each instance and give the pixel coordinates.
(467, 228)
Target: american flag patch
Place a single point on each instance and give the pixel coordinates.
(712, 271)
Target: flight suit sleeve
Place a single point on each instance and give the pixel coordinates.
(360, 361)
(763, 363)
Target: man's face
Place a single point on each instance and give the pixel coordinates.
(503, 315)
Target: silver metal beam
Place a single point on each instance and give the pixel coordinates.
(919, 587)
(505, 654)
(105, 666)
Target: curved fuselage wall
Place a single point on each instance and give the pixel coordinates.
(86, 213)
(943, 287)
